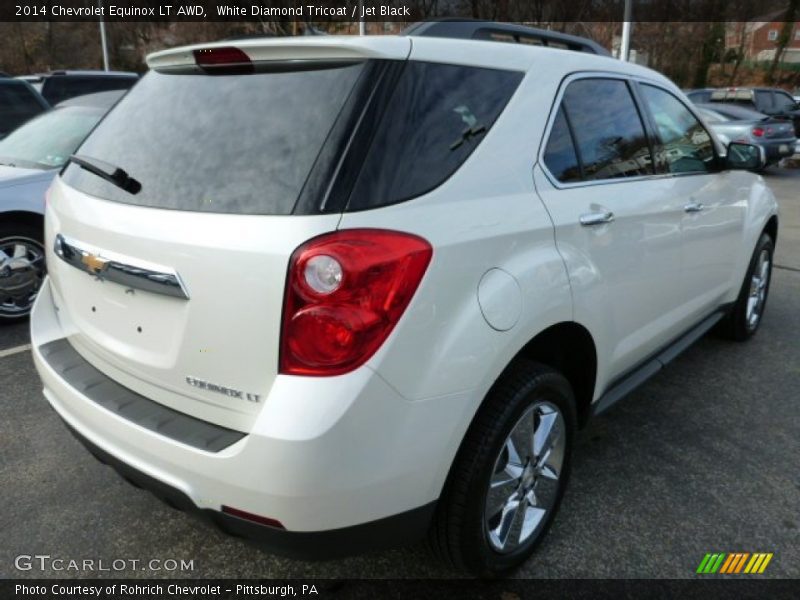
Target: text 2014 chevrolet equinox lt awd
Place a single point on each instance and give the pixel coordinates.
(338, 292)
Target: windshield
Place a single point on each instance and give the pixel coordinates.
(48, 141)
(232, 143)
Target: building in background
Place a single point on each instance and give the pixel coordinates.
(758, 38)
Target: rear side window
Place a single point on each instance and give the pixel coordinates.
(684, 146)
(218, 143)
(763, 100)
(59, 87)
(436, 117)
(17, 104)
(559, 154)
(608, 130)
(784, 102)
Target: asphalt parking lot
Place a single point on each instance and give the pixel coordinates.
(704, 458)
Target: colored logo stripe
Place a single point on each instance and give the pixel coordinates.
(734, 562)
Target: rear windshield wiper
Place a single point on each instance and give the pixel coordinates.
(107, 171)
(467, 134)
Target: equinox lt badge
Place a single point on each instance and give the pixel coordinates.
(221, 389)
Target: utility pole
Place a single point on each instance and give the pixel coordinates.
(625, 44)
(103, 41)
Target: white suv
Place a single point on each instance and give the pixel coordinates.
(339, 292)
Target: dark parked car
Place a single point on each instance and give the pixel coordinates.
(733, 123)
(770, 101)
(18, 103)
(58, 86)
(29, 159)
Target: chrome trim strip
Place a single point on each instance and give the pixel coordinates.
(130, 273)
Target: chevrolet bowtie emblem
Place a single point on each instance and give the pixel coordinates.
(95, 263)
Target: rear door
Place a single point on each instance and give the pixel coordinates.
(713, 214)
(174, 286)
(617, 223)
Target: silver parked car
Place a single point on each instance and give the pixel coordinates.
(29, 159)
(739, 124)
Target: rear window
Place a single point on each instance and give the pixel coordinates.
(436, 117)
(17, 104)
(58, 88)
(218, 143)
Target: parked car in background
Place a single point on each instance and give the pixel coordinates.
(36, 81)
(700, 95)
(58, 86)
(733, 123)
(29, 159)
(774, 102)
(371, 286)
(19, 102)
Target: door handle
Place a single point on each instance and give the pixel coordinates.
(693, 207)
(596, 218)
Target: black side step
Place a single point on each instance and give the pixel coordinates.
(628, 383)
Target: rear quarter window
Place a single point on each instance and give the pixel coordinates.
(436, 117)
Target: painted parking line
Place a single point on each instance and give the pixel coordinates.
(14, 350)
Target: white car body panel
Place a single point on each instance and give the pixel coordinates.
(329, 452)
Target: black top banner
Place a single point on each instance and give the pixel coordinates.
(310, 11)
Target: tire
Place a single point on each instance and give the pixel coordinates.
(468, 529)
(745, 317)
(22, 269)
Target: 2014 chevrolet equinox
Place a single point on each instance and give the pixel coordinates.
(337, 292)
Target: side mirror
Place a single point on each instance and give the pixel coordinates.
(745, 156)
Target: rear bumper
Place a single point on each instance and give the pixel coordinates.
(776, 150)
(407, 527)
(362, 472)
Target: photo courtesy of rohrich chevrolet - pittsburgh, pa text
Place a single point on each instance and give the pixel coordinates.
(402, 299)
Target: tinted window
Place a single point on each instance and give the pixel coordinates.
(47, 141)
(17, 105)
(684, 144)
(783, 102)
(436, 117)
(559, 154)
(59, 87)
(608, 130)
(218, 143)
(763, 100)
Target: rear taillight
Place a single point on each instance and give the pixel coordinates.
(226, 59)
(757, 131)
(345, 292)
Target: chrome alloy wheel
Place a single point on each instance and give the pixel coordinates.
(525, 480)
(22, 269)
(758, 289)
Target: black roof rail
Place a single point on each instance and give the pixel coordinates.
(503, 32)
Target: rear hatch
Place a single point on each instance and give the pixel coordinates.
(170, 278)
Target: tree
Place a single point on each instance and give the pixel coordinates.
(783, 38)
